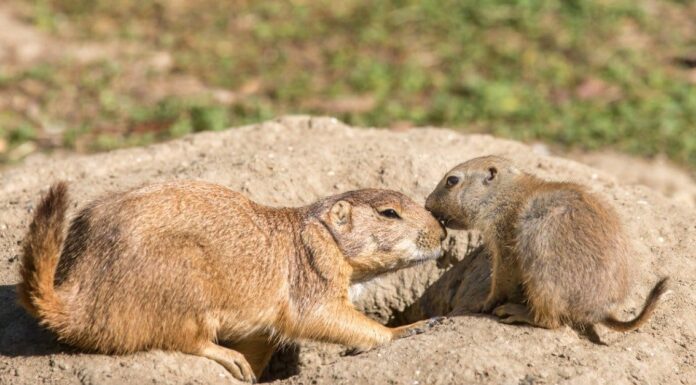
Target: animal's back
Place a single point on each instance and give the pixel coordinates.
(572, 252)
(160, 258)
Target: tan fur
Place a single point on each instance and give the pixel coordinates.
(41, 249)
(198, 268)
(555, 247)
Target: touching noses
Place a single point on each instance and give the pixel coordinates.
(429, 203)
(443, 235)
(430, 206)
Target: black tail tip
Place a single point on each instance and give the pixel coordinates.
(59, 188)
(54, 202)
(58, 191)
(661, 287)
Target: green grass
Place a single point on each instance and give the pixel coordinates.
(590, 74)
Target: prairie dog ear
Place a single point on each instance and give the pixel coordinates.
(340, 214)
(491, 174)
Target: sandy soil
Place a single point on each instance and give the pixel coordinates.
(658, 174)
(295, 160)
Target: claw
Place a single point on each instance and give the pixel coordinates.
(434, 321)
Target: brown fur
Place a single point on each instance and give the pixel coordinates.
(555, 247)
(198, 268)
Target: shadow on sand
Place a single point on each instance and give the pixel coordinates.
(461, 288)
(20, 333)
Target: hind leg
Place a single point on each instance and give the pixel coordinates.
(258, 351)
(232, 360)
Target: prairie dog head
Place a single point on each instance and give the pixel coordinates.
(468, 188)
(381, 230)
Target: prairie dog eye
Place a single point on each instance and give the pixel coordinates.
(390, 213)
(452, 181)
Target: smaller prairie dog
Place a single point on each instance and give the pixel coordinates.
(559, 254)
(198, 268)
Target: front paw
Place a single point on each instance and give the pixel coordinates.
(512, 313)
(489, 304)
(433, 321)
(507, 309)
(418, 327)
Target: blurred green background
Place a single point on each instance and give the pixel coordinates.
(580, 74)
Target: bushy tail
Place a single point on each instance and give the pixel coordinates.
(650, 304)
(42, 247)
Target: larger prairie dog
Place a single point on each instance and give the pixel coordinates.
(559, 254)
(195, 267)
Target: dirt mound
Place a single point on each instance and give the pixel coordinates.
(294, 161)
(658, 174)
